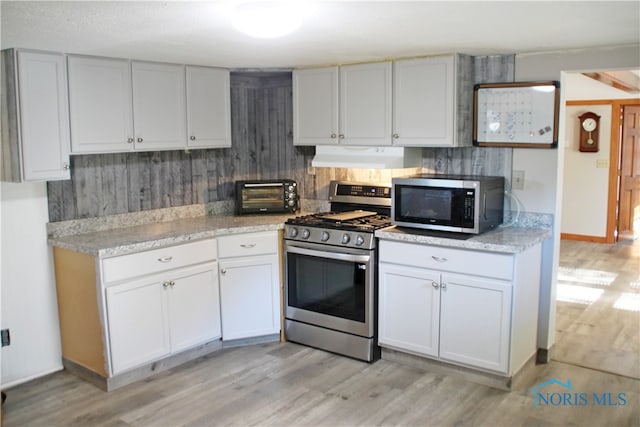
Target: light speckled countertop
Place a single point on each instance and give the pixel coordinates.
(504, 239)
(124, 240)
(127, 233)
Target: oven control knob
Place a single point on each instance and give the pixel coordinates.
(324, 236)
(346, 238)
(305, 233)
(359, 240)
(293, 232)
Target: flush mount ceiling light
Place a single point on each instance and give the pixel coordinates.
(268, 19)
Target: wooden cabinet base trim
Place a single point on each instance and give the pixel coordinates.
(141, 372)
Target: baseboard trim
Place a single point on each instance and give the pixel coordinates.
(583, 238)
(141, 372)
(521, 380)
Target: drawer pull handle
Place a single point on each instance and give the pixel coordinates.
(248, 245)
(439, 259)
(165, 259)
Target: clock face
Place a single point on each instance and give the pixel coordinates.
(589, 125)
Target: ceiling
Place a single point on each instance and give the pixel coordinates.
(338, 32)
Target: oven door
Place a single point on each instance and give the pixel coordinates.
(330, 286)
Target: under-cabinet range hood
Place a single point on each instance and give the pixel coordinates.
(366, 157)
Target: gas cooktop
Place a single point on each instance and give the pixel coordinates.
(357, 220)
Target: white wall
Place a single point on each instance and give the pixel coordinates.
(544, 193)
(29, 304)
(586, 176)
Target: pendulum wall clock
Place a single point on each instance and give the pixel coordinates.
(589, 132)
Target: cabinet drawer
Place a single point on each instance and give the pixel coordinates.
(446, 259)
(158, 260)
(248, 244)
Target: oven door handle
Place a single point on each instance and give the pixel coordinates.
(330, 255)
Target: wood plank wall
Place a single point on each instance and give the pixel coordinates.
(262, 148)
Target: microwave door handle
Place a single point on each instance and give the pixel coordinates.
(330, 255)
(273, 184)
(484, 205)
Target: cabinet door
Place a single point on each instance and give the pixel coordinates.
(423, 104)
(250, 297)
(475, 321)
(208, 107)
(315, 106)
(159, 106)
(409, 309)
(194, 306)
(100, 105)
(365, 104)
(44, 116)
(138, 323)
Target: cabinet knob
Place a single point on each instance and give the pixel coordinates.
(192, 137)
(333, 136)
(443, 285)
(341, 136)
(172, 283)
(66, 166)
(434, 284)
(396, 136)
(140, 140)
(165, 285)
(223, 271)
(130, 140)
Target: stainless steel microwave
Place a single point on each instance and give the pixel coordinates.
(456, 203)
(266, 196)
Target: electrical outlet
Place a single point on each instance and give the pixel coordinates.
(6, 337)
(517, 180)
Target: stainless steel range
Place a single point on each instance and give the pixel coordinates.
(330, 277)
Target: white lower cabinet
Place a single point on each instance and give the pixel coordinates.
(249, 285)
(475, 321)
(437, 312)
(153, 317)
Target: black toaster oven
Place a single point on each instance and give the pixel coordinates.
(267, 196)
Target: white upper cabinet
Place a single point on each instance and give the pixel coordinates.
(208, 107)
(100, 104)
(349, 105)
(35, 119)
(425, 102)
(159, 105)
(365, 104)
(315, 106)
(118, 105)
(432, 101)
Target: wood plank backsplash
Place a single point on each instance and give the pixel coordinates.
(262, 148)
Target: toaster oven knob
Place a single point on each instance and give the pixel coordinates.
(359, 240)
(346, 239)
(293, 232)
(305, 234)
(324, 236)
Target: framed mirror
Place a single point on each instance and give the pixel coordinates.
(521, 114)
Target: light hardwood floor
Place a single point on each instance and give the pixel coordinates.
(598, 306)
(291, 385)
